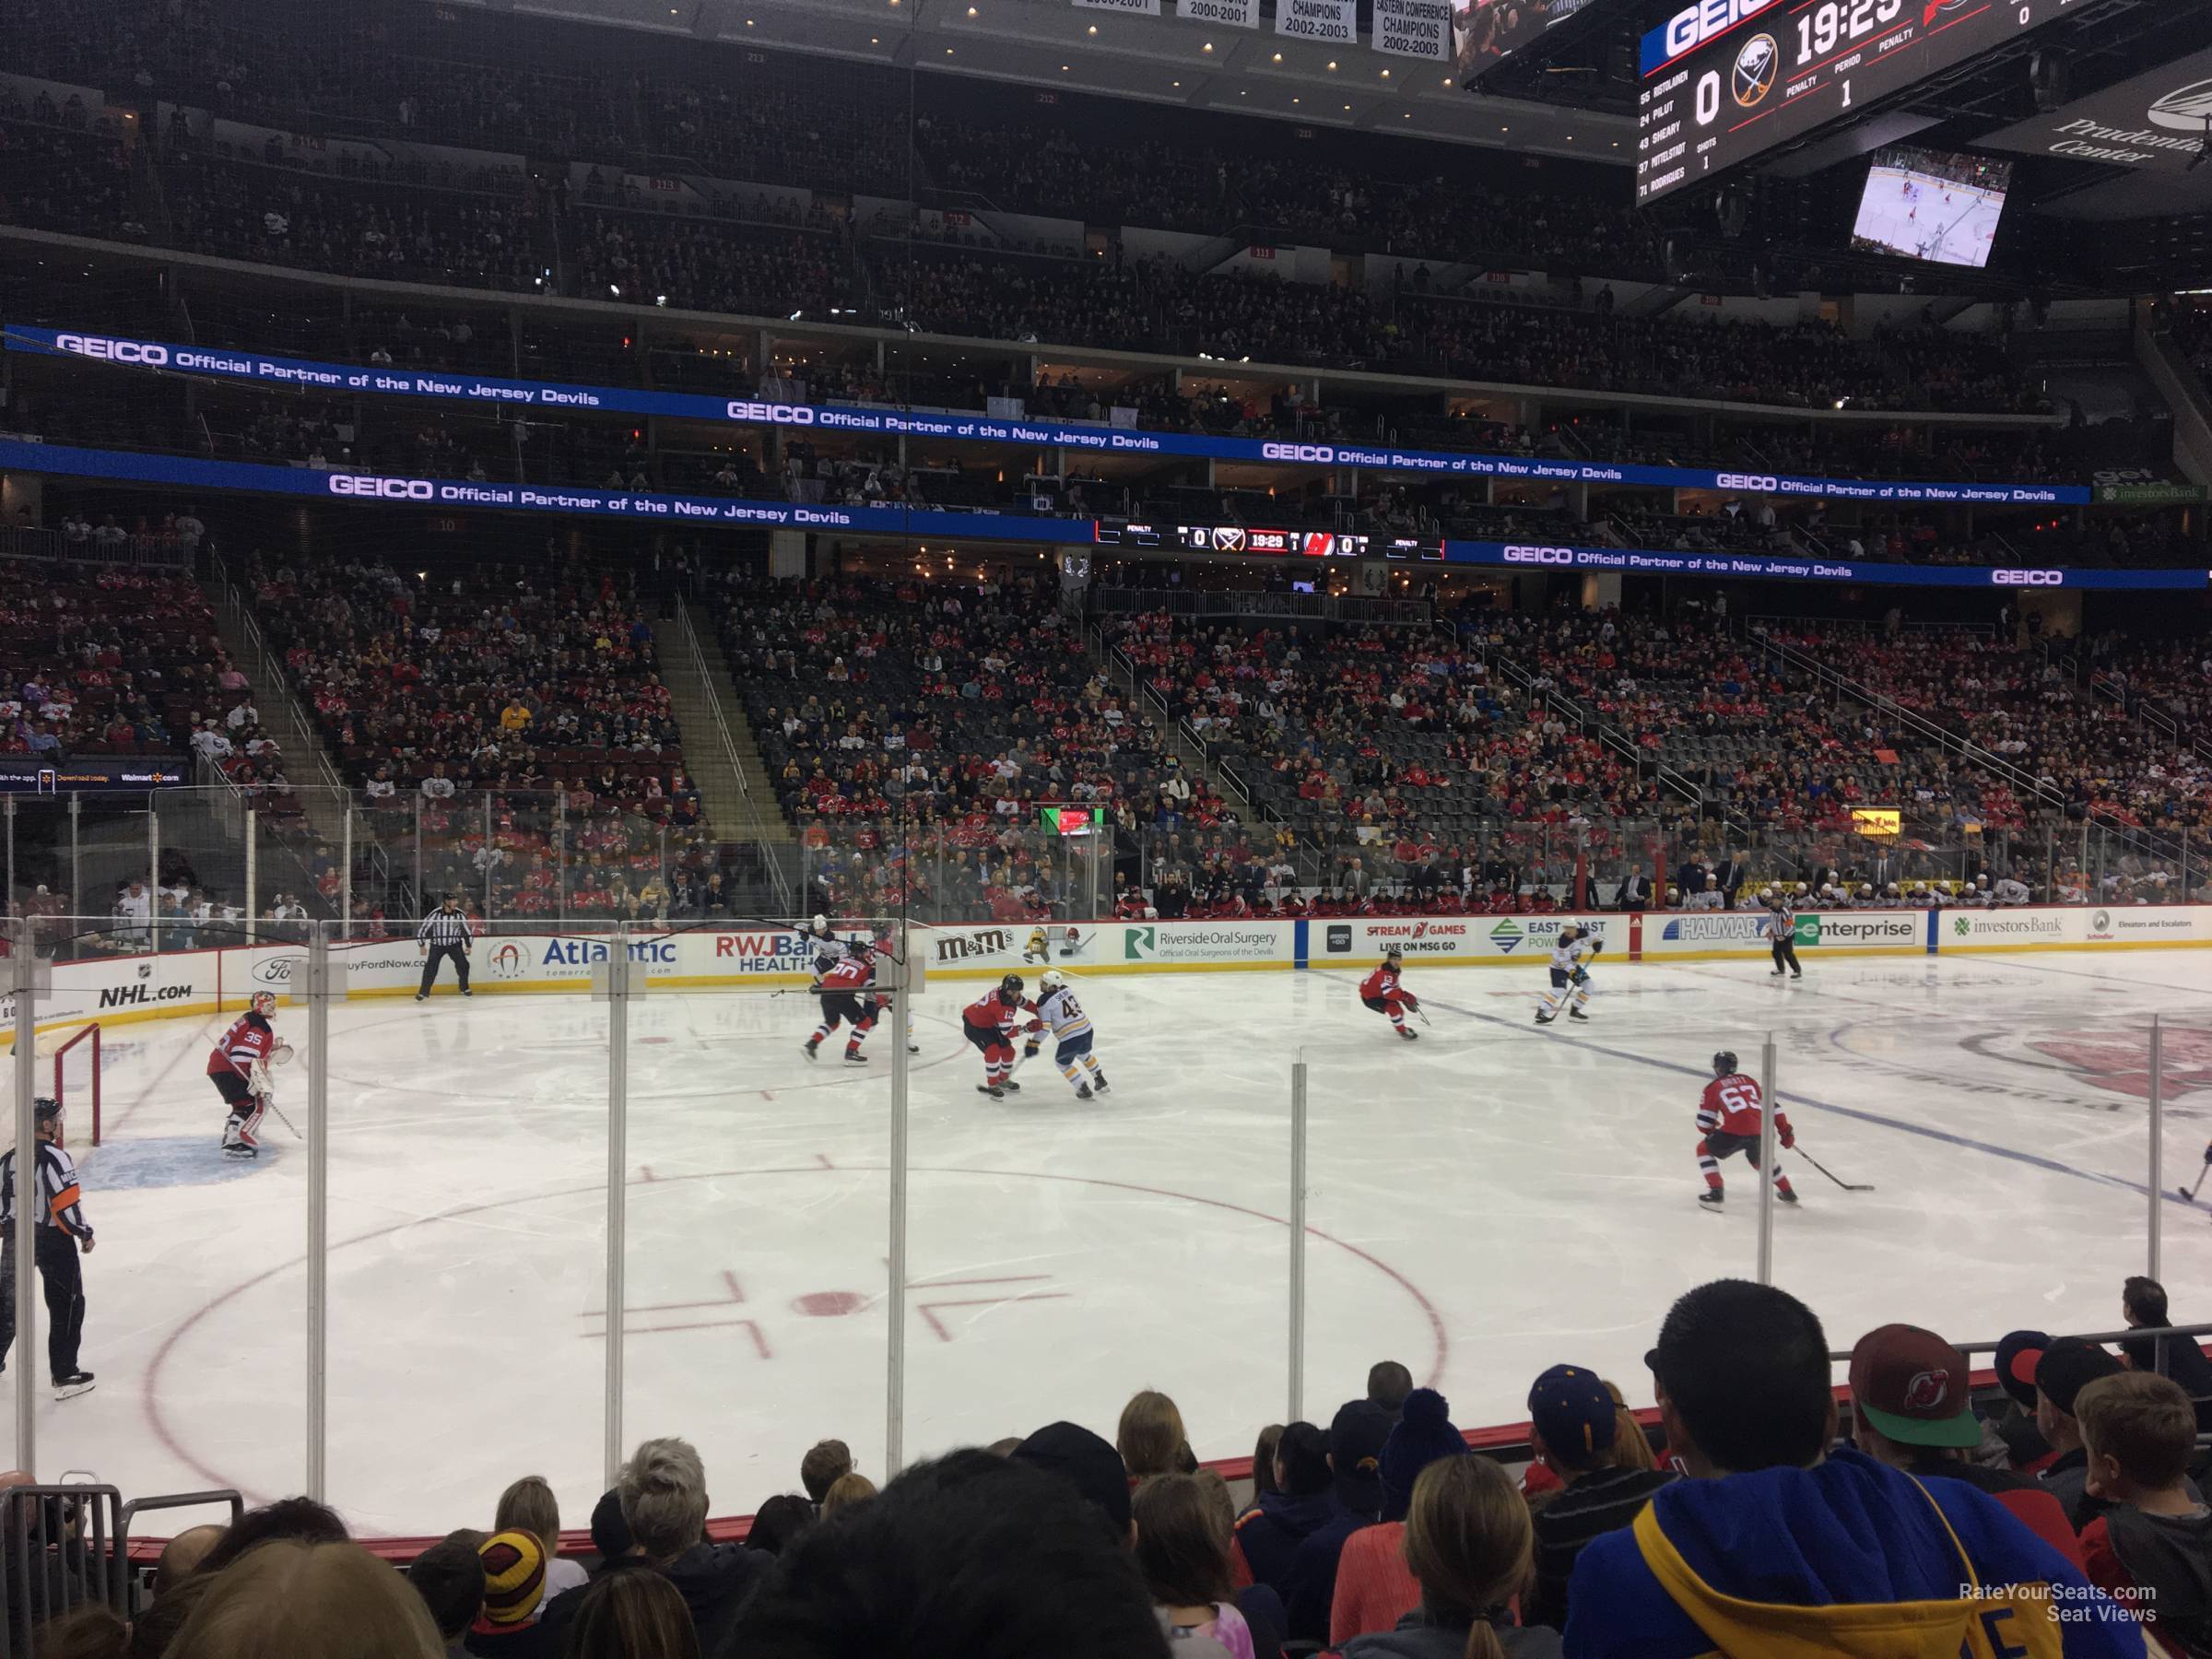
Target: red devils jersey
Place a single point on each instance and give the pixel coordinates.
(848, 975)
(249, 1039)
(990, 1014)
(1383, 981)
(1732, 1106)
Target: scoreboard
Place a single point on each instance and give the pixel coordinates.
(1727, 80)
(1264, 542)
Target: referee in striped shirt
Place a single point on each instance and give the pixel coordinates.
(61, 1232)
(1782, 933)
(444, 936)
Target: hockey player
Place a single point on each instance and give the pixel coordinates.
(239, 1067)
(1384, 991)
(819, 938)
(1569, 979)
(1729, 1118)
(1059, 1013)
(842, 981)
(990, 1023)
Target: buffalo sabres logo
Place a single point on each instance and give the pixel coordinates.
(1756, 66)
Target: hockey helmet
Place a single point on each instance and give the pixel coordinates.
(262, 1003)
(1010, 988)
(1393, 954)
(821, 923)
(1723, 1064)
(1053, 980)
(45, 1108)
(1570, 932)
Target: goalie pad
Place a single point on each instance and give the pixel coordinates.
(257, 1080)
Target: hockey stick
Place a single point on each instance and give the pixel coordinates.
(1422, 1014)
(1848, 1186)
(2189, 1192)
(282, 1119)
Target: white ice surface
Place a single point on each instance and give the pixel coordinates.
(1948, 222)
(1484, 1203)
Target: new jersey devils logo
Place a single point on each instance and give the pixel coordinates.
(1926, 1391)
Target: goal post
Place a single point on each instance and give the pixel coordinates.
(74, 1052)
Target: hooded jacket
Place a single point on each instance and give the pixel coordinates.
(2168, 1556)
(1848, 1557)
(1270, 1532)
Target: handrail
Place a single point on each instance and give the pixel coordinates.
(697, 654)
(1966, 747)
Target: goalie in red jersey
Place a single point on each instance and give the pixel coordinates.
(1729, 1118)
(239, 1067)
(1384, 991)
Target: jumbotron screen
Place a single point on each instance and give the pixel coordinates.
(1932, 204)
(1727, 80)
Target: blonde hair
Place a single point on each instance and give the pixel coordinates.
(1470, 1542)
(529, 1506)
(287, 1599)
(1150, 1438)
(1631, 1449)
(846, 1491)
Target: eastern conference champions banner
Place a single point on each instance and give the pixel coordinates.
(1335, 22)
(222, 363)
(1232, 14)
(1419, 29)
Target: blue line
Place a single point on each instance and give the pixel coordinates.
(2033, 1161)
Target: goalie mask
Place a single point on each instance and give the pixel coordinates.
(262, 1003)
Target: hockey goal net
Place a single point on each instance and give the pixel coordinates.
(69, 1060)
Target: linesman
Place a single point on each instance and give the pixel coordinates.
(61, 1232)
(445, 935)
(1782, 933)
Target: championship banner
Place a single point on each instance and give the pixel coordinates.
(1420, 28)
(1229, 14)
(1143, 9)
(1336, 22)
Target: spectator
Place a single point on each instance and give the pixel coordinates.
(88, 1632)
(1263, 1459)
(2152, 1549)
(2143, 1305)
(1574, 1427)
(1290, 1509)
(845, 1491)
(1388, 1383)
(2068, 1367)
(158, 1626)
(777, 1522)
(514, 1594)
(1182, 1550)
(1093, 1467)
(1374, 1587)
(301, 1520)
(1632, 1447)
(633, 1616)
(529, 1506)
(181, 1556)
(449, 1576)
(1355, 1439)
(1468, 1542)
(1778, 1544)
(822, 1466)
(2019, 1353)
(663, 1501)
(1909, 1408)
(1150, 1438)
(291, 1598)
(948, 1564)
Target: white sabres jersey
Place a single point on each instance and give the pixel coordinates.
(1567, 957)
(1062, 1015)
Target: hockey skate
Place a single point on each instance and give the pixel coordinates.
(1542, 1017)
(1786, 1195)
(809, 1050)
(993, 1089)
(1710, 1198)
(1577, 1014)
(1082, 1092)
(1410, 1036)
(1099, 1085)
(854, 1057)
(70, 1386)
(1011, 1087)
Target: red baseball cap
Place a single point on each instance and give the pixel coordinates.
(1914, 1386)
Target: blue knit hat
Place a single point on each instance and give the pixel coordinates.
(1422, 1435)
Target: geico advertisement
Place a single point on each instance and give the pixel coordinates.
(1460, 938)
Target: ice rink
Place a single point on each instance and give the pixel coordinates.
(1489, 1201)
(1948, 222)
